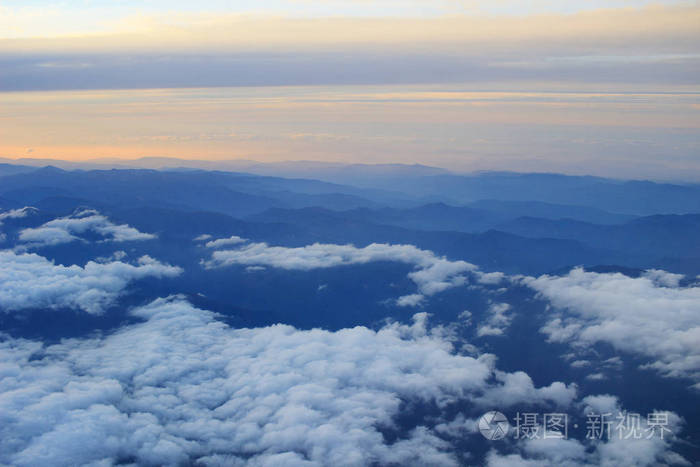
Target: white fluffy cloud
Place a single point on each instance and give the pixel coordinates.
(411, 300)
(182, 386)
(433, 274)
(32, 281)
(16, 213)
(13, 214)
(68, 229)
(232, 240)
(650, 316)
(497, 320)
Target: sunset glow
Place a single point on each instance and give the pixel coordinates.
(459, 84)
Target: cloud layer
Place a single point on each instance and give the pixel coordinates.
(650, 316)
(605, 30)
(68, 229)
(182, 387)
(32, 281)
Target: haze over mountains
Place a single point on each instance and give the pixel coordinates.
(502, 218)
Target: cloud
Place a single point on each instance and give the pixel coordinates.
(497, 320)
(201, 238)
(596, 376)
(605, 29)
(649, 316)
(433, 274)
(492, 278)
(45, 236)
(410, 300)
(13, 214)
(116, 256)
(182, 387)
(518, 387)
(32, 281)
(663, 278)
(652, 45)
(69, 229)
(255, 269)
(17, 213)
(232, 240)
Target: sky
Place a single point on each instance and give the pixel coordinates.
(602, 87)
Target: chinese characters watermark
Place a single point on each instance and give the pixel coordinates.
(599, 426)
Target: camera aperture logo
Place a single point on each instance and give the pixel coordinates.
(493, 425)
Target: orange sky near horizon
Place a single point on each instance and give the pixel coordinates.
(608, 87)
(439, 125)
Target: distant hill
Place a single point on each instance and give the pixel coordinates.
(12, 169)
(295, 169)
(658, 235)
(403, 185)
(520, 235)
(475, 217)
(230, 193)
(616, 196)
